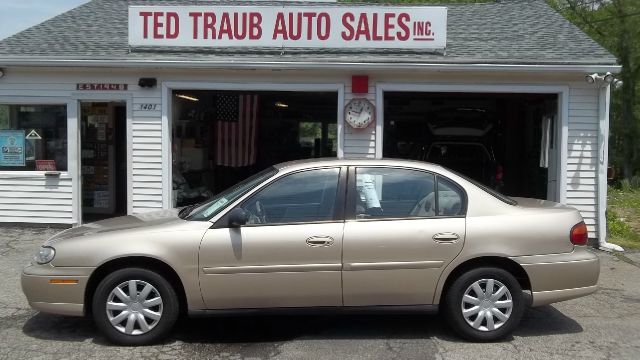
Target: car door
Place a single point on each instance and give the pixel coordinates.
(403, 227)
(288, 254)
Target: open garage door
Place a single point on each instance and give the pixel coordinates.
(221, 137)
(505, 141)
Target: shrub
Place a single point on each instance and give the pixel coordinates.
(616, 227)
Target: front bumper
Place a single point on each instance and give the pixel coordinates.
(55, 298)
(560, 277)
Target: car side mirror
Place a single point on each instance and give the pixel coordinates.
(238, 217)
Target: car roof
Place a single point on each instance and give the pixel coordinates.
(319, 162)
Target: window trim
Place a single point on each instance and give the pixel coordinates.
(338, 210)
(350, 211)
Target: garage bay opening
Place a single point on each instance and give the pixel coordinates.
(505, 141)
(222, 137)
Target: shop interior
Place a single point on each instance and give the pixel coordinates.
(505, 141)
(222, 137)
(103, 160)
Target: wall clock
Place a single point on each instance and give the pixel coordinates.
(359, 113)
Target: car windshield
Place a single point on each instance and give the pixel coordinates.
(214, 205)
(495, 194)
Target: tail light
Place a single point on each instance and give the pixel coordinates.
(579, 234)
(499, 173)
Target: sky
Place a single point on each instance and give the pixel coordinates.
(17, 15)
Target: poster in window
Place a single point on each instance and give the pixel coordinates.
(101, 199)
(12, 145)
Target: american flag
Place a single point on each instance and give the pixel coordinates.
(236, 126)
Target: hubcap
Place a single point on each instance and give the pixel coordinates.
(134, 307)
(486, 305)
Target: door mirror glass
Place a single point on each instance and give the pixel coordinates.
(238, 217)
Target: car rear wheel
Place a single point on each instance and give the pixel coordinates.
(135, 306)
(484, 304)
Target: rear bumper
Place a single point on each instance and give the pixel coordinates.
(560, 277)
(61, 299)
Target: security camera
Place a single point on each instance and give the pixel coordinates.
(609, 78)
(147, 82)
(591, 78)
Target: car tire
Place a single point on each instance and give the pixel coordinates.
(477, 315)
(143, 319)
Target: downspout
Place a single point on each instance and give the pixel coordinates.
(603, 157)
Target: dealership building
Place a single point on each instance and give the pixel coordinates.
(130, 106)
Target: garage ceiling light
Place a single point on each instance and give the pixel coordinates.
(187, 97)
(280, 104)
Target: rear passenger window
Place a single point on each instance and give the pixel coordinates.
(394, 193)
(450, 198)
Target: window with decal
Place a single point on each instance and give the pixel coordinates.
(33, 137)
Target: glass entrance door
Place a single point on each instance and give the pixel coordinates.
(103, 160)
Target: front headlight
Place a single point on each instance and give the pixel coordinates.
(45, 255)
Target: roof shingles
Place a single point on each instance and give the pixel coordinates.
(507, 32)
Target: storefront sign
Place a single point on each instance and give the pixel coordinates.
(289, 26)
(12, 148)
(46, 165)
(101, 87)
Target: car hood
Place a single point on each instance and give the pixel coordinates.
(128, 222)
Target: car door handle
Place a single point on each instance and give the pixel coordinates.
(320, 241)
(446, 237)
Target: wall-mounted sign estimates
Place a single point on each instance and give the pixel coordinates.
(289, 26)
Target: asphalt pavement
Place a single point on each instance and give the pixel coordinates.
(605, 325)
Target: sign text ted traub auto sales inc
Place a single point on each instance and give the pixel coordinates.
(287, 26)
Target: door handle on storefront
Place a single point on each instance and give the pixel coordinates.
(446, 237)
(320, 241)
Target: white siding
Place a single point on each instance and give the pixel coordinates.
(36, 199)
(146, 151)
(582, 161)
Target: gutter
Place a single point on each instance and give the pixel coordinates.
(301, 65)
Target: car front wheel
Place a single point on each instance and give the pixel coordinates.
(484, 304)
(135, 306)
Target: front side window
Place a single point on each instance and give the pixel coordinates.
(306, 196)
(403, 193)
(33, 137)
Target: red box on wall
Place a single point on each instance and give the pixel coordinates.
(360, 84)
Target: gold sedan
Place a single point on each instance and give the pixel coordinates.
(335, 235)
